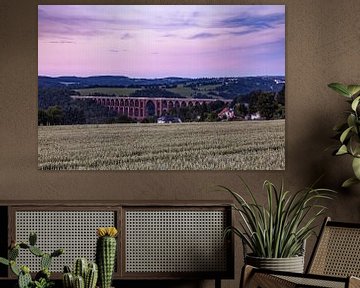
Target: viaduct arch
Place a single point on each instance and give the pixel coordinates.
(141, 107)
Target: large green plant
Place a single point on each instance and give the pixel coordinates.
(279, 229)
(349, 131)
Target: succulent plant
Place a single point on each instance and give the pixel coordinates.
(85, 275)
(106, 254)
(42, 278)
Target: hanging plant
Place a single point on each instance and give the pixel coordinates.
(348, 132)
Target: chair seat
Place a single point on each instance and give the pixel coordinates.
(268, 279)
(314, 282)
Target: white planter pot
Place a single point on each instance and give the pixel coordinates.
(291, 264)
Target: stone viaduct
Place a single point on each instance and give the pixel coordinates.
(141, 107)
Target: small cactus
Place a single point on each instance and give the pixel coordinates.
(67, 269)
(68, 280)
(89, 272)
(24, 280)
(91, 276)
(80, 267)
(106, 254)
(79, 282)
(23, 273)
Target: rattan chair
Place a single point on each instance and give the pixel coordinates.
(334, 263)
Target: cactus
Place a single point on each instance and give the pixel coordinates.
(80, 267)
(32, 238)
(13, 253)
(68, 280)
(105, 255)
(91, 276)
(45, 261)
(24, 278)
(67, 269)
(88, 273)
(36, 251)
(79, 282)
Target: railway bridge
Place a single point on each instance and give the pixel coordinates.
(141, 107)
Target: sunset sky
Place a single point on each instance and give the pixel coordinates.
(161, 41)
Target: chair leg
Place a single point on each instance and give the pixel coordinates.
(250, 278)
(217, 283)
(246, 274)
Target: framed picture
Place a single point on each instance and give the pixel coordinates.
(161, 87)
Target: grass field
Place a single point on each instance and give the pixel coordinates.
(256, 145)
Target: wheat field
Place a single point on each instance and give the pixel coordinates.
(255, 145)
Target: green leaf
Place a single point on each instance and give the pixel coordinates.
(349, 182)
(351, 120)
(355, 103)
(356, 167)
(14, 268)
(354, 144)
(4, 261)
(342, 150)
(353, 89)
(345, 134)
(341, 89)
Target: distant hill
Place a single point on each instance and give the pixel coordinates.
(223, 87)
(106, 81)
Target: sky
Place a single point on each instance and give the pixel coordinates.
(161, 40)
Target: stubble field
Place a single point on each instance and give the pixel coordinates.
(256, 145)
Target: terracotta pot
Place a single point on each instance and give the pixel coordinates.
(291, 264)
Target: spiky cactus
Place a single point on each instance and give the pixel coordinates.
(91, 276)
(68, 280)
(84, 274)
(106, 254)
(23, 273)
(80, 267)
(79, 282)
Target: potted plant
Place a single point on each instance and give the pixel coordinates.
(349, 132)
(276, 233)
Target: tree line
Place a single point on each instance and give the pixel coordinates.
(56, 107)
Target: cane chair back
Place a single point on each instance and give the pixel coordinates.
(335, 262)
(337, 252)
